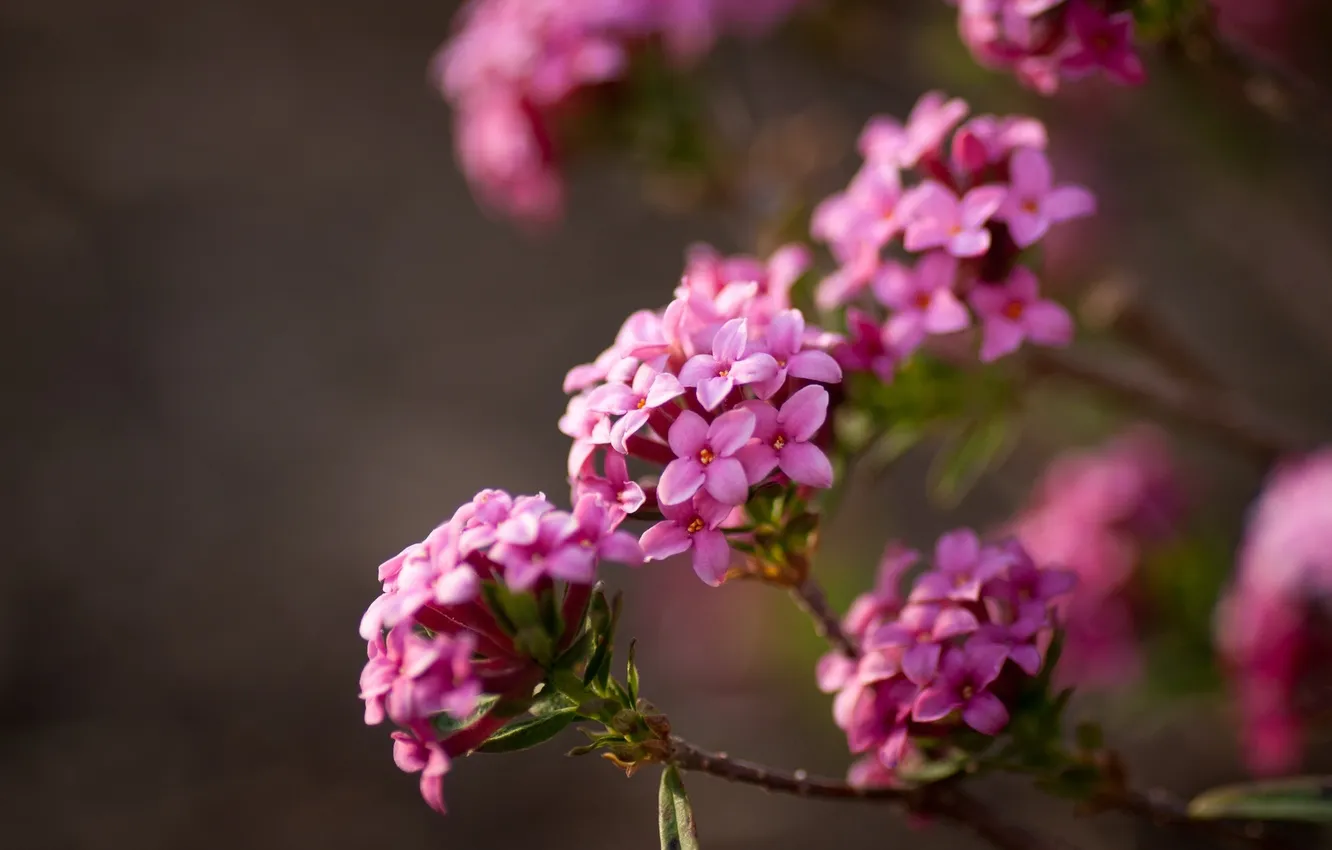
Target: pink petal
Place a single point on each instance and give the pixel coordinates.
(622, 548)
(877, 667)
(664, 387)
(759, 460)
(922, 235)
(688, 434)
(765, 418)
(921, 662)
(1022, 284)
(680, 480)
(785, 332)
(806, 464)
(957, 550)
(729, 343)
(985, 712)
(1027, 228)
(988, 299)
(1030, 170)
(1001, 337)
(946, 314)
(833, 671)
(969, 243)
(574, 564)
(712, 556)
(663, 540)
(986, 662)
(894, 747)
(1048, 323)
(804, 413)
(893, 285)
(625, 427)
(980, 204)
(1068, 202)
(935, 703)
(725, 481)
(712, 392)
(409, 754)
(457, 586)
(936, 271)
(730, 431)
(1026, 657)
(612, 398)
(755, 367)
(815, 365)
(954, 621)
(699, 368)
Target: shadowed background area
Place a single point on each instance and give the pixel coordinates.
(258, 337)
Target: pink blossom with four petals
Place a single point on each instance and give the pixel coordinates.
(936, 218)
(1034, 202)
(713, 376)
(705, 458)
(922, 298)
(1014, 311)
(692, 525)
(784, 439)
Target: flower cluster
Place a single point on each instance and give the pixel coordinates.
(512, 65)
(1273, 625)
(436, 646)
(1095, 512)
(982, 202)
(722, 389)
(1042, 41)
(946, 654)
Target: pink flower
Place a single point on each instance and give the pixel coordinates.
(595, 530)
(784, 439)
(1014, 311)
(413, 755)
(922, 299)
(1034, 203)
(1105, 42)
(410, 677)
(616, 488)
(534, 545)
(705, 458)
(917, 634)
(931, 120)
(650, 390)
(871, 347)
(715, 375)
(964, 678)
(692, 525)
(786, 345)
(935, 218)
(961, 567)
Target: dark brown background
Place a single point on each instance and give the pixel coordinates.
(258, 337)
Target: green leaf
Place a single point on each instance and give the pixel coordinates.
(577, 652)
(1302, 798)
(530, 732)
(631, 675)
(967, 454)
(675, 817)
(446, 724)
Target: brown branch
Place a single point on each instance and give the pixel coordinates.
(1163, 809)
(939, 800)
(1223, 415)
(809, 597)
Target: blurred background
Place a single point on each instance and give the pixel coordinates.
(259, 337)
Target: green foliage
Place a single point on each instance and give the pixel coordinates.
(675, 817)
(1158, 20)
(530, 731)
(1303, 798)
(972, 409)
(1182, 582)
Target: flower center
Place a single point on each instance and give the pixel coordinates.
(1030, 207)
(967, 692)
(922, 300)
(706, 456)
(954, 229)
(778, 442)
(695, 525)
(642, 403)
(959, 579)
(781, 364)
(586, 544)
(722, 373)
(1013, 309)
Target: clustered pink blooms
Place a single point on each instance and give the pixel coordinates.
(983, 199)
(435, 647)
(948, 653)
(1273, 624)
(1095, 512)
(1042, 41)
(722, 389)
(513, 65)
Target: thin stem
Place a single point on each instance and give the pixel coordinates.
(940, 800)
(809, 597)
(1224, 415)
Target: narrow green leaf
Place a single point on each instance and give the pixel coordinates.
(967, 454)
(529, 732)
(631, 675)
(1302, 798)
(675, 817)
